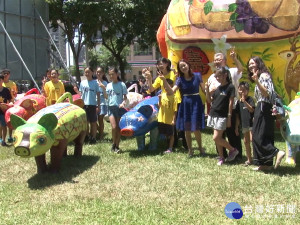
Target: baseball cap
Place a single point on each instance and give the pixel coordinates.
(5, 70)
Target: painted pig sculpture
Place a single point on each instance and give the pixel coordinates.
(290, 129)
(140, 119)
(25, 107)
(51, 128)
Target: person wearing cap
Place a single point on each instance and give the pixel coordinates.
(12, 87)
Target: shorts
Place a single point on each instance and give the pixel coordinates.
(217, 123)
(2, 120)
(246, 129)
(91, 114)
(166, 129)
(115, 111)
(103, 110)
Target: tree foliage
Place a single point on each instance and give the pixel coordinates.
(76, 19)
(102, 57)
(120, 23)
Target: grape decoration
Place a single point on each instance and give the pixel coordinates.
(245, 19)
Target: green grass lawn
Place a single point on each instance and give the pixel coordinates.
(145, 188)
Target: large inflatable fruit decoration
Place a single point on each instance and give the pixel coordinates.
(51, 128)
(266, 28)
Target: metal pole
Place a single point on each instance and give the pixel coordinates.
(16, 50)
(61, 58)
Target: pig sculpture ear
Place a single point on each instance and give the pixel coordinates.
(16, 121)
(27, 104)
(49, 121)
(146, 110)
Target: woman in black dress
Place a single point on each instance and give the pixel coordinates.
(263, 124)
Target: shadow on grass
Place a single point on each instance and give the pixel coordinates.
(284, 171)
(138, 154)
(71, 167)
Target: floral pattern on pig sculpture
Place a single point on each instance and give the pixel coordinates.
(51, 128)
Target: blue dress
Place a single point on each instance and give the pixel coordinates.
(190, 115)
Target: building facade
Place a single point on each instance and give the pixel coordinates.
(21, 20)
(139, 59)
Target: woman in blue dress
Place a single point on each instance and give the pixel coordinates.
(190, 117)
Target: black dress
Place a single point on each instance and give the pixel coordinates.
(263, 126)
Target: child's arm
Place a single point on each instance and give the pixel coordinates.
(231, 100)
(249, 107)
(167, 87)
(124, 101)
(207, 94)
(104, 89)
(45, 90)
(237, 124)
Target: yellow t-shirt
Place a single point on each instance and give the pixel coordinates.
(53, 91)
(158, 83)
(167, 109)
(12, 87)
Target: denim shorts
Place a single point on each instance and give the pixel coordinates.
(103, 110)
(217, 123)
(2, 120)
(114, 111)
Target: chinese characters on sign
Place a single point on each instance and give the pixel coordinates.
(270, 211)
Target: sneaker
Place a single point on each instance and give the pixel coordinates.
(10, 140)
(3, 143)
(168, 151)
(118, 151)
(203, 152)
(113, 148)
(92, 141)
(232, 154)
(220, 161)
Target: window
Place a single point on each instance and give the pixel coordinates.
(139, 51)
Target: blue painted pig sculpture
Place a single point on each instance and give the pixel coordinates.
(140, 119)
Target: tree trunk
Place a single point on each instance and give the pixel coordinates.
(76, 61)
(77, 71)
(121, 67)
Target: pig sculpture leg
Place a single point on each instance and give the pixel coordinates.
(79, 143)
(56, 155)
(41, 163)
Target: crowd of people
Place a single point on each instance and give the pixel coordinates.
(230, 109)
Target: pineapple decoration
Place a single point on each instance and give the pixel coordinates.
(178, 19)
